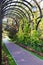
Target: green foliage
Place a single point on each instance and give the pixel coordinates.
(35, 37)
(23, 35)
(35, 41)
(10, 59)
(28, 36)
(26, 32)
(26, 26)
(20, 34)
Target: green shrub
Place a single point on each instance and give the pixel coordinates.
(20, 34)
(23, 34)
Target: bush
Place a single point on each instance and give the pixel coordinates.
(35, 39)
(23, 34)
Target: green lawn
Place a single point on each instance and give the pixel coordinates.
(10, 59)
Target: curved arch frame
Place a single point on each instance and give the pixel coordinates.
(19, 3)
(9, 2)
(19, 10)
(17, 14)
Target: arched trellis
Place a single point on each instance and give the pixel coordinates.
(7, 4)
(16, 13)
(20, 7)
(13, 17)
(26, 2)
(23, 8)
(22, 3)
(3, 7)
(17, 9)
(40, 13)
(10, 2)
(40, 17)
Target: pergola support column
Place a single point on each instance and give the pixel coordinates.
(0, 36)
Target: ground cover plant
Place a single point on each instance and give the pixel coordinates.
(5, 53)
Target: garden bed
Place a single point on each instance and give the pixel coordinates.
(7, 57)
(5, 60)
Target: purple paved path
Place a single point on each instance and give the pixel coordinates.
(21, 56)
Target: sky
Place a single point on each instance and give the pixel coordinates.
(41, 4)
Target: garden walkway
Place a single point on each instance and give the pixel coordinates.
(21, 56)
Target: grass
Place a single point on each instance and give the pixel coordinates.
(10, 59)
